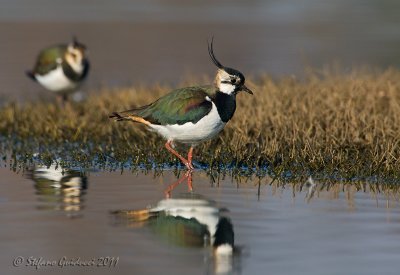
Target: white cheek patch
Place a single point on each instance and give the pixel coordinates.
(224, 249)
(226, 88)
(76, 64)
(224, 84)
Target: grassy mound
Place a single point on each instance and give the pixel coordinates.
(339, 125)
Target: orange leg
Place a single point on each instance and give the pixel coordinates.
(190, 181)
(62, 100)
(172, 186)
(188, 163)
(190, 157)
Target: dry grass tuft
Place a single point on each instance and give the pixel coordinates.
(338, 125)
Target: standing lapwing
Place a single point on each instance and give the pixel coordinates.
(193, 114)
(61, 69)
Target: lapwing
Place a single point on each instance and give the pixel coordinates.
(61, 69)
(193, 114)
(188, 220)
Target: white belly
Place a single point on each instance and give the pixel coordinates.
(56, 81)
(205, 212)
(206, 128)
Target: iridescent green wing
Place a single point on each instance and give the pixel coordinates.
(179, 107)
(180, 231)
(47, 59)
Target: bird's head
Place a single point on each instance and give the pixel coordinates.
(228, 80)
(75, 54)
(224, 237)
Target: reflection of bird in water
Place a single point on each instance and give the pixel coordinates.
(187, 176)
(60, 190)
(311, 188)
(187, 220)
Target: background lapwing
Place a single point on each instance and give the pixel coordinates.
(193, 114)
(61, 69)
(188, 220)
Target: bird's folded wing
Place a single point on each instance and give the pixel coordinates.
(178, 107)
(48, 60)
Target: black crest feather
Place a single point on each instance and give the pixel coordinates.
(211, 53)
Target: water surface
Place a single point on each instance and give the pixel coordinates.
(147, 42)
(278, 229)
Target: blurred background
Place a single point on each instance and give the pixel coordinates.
(153, 41)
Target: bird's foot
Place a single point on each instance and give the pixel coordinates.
(189, 166)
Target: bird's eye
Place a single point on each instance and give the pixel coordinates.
(234, 80)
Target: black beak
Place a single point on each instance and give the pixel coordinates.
(247, 90)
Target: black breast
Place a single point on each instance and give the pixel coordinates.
(72, 75)
(226, 105)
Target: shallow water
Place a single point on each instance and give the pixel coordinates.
(147, 42)
(278, 228)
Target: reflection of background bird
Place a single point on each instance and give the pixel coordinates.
(193, 114)
(187, 220)
(311, 188)
(61, 69)
(60, 190)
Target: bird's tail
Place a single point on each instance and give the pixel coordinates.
(135, 215)
(120, 117)
(31, 75)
